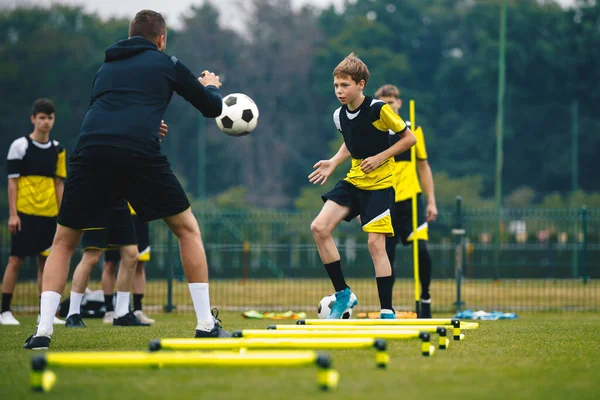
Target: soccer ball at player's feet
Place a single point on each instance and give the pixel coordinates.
(239, 116)
(326, 304)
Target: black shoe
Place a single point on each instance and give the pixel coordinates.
(37, 342)
(425, 308)
(128, 320)
(216, 332)
(74, 321)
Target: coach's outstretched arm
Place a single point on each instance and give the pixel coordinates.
(202, 93)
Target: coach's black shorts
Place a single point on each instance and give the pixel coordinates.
(120, 231)
(35, 237)
(143, 242)
(102, 175)
(373, 206)
(402, 221)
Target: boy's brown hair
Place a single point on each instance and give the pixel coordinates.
(387, 91)
(353, 67)
(148, 24)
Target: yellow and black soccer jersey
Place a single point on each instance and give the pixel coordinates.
(35, 165)
(406, 181)
(366, 133)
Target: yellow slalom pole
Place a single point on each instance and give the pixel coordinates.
(440, 330)
(388, 335)
(425, 328)
(381, 357)
(42, 380)
(261, 343)
(380, 334)
(413, 161)
(456, 324)
(180, 359)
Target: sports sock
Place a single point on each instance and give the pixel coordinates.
(108, 302)
(75, 303)
(201, 300)
(137, 301)
(6, 299)
(122, 306)
(424, 269)
(334, 270)
(49, 302)
(385, 286)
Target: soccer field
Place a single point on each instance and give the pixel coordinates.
(540, 355)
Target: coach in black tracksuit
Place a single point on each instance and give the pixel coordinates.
(118, 156)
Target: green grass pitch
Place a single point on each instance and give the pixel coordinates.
(538, 356)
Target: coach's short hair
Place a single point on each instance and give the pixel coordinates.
(148, 24)
(42, 106)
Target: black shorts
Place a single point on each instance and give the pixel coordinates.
(102, 175)
(373, 206)
(35, 237)
(120, 231)
(402, 221)
(143, 242)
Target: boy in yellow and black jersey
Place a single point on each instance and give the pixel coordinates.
(36, 170)
(367, 190)
(406, 185)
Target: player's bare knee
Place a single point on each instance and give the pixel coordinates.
(376, 245)
(319, 230)
(129, 255)
(15, 263)
(91, 257)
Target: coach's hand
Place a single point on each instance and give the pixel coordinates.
(14, 224)
(431, 213)
(370, 164)
(208, 78)
(163, 130)
(324, 169)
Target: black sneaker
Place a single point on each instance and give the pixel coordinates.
(128, 320)
(216, 332)
(74, 321)
(37, 343)
(425, 308)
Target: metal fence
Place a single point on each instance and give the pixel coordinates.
(543, 259)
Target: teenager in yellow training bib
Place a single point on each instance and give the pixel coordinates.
(367, 190)
(406, 185)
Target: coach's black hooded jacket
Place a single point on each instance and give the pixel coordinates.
(131, 92)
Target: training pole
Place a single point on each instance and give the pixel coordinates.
(456, 324)
(440, 330)
(42, 379)
(413, 161)
(426, 348)
(381, 356)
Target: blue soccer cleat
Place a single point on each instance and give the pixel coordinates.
(387, 315)
(344, 300)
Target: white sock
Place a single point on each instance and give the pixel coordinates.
(386, 311)
(426, 301)
(122, 306)
(49, 302)
(201, 300)
(75, 303)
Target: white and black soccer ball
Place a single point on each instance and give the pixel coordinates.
(326, 304)
(239, 116)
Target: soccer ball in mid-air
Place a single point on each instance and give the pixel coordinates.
(239, 116)
(326, 304)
